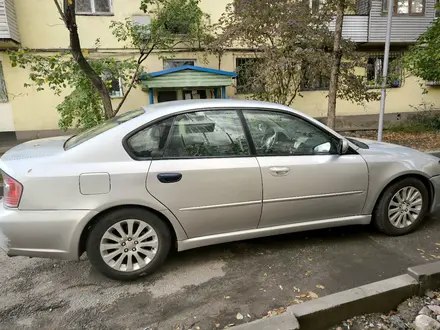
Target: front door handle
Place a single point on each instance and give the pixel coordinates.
(169, 177)
(279, 171)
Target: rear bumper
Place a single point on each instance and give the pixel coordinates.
(46, 234)
(435, 181)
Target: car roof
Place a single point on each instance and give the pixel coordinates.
(168, 108)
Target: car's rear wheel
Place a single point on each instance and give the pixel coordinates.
(128, 243)
(402, 207)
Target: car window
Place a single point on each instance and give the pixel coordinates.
(281, 134)
(207, 134)
(105, 126)
(150, 142)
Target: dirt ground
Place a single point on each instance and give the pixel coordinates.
(426, 141)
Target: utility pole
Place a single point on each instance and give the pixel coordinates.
(385, 70)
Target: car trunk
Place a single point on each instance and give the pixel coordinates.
(21, 157)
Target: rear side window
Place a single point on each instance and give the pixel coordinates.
(192, 135)
(105, 126)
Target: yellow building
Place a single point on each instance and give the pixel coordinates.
(35, 24)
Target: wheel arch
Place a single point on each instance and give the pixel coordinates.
(425, 180)
(96, 218)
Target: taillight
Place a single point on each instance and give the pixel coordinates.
(12, 191)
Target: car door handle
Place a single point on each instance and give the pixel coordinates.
(279, 171)
(169, 177)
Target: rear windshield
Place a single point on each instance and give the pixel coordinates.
(105, 126)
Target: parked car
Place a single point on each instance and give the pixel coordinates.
(188, 174)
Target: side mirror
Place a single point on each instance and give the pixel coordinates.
(343, 146)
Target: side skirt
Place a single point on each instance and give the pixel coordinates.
(196, 242)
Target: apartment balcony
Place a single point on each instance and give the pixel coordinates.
(354, 28)
(369, 22)
(9, 36)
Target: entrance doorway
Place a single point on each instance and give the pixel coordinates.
(165, 96)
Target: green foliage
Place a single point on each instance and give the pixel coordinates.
(288, 37)
(423, 59)
(425, 119)
(83, 107)
(172, 22)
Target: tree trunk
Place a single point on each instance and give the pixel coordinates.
(336, 64)
(76, 51)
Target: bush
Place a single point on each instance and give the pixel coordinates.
(425, 119)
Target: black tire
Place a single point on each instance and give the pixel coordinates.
(96, 233)
(380, 214)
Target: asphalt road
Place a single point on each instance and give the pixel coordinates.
(207, 287)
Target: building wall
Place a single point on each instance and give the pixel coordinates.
(41, 29)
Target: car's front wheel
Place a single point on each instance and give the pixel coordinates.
(128, 243)
(402, 207)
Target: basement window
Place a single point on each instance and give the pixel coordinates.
(94, 7)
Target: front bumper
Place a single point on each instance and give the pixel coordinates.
(435, 205)
(46, 234)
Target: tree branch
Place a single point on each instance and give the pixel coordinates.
(141, 59)
(60, 11)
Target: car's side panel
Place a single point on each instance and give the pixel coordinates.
(213, 196)
(192, 243)
(384, 168)
(314, 188)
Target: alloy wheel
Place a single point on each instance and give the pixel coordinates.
(129, 245)
(405, 207)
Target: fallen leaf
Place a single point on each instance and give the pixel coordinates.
(312, 295)
(239, 316)
(248, 316)
(227, 297)
(438, 244)
(421, 250)
(434, 256)
(302, 295)
(281, 287)
(217, 325)
(308, 273)
(319, 286)
(309, 259)
(265, 274)
(296, 289)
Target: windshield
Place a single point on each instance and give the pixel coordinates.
(105, 126)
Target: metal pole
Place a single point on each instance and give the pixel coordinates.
(385, 69)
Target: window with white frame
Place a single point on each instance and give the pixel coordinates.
(169, 64)
(114, 85)
(3, 92)
(93, 7)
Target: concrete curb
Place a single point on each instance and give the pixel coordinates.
(325, 312)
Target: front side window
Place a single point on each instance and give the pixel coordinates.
(405, 7)
(207, 134)
(281, 134)
(93, 7)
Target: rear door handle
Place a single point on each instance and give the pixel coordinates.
(169, 177)
(279, 171)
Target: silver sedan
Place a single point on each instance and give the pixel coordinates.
(187, 174)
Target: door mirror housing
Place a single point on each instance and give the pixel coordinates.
(343, 146)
